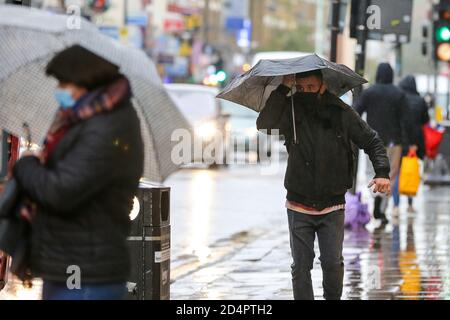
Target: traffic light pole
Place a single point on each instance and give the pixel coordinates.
(398, 59)
(435, 89)
(336, 5)
(441, 43)
(360, 64)
(361, 38)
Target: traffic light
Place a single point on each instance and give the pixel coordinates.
(99, 6)
(221, 76)
(441, 27)
(425, 39)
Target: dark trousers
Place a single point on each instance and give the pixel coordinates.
(330, 233)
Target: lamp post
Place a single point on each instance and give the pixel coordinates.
(360, 63)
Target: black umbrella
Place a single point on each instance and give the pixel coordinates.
(253, 88)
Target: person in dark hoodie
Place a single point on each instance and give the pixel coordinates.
(388, 114)
(418, 112)
(319, 173)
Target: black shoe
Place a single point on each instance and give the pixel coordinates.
(377, 208)
(384, 220)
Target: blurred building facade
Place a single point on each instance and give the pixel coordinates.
(190, 39)
(273, 18)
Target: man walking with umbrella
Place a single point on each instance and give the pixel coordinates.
(319, 130)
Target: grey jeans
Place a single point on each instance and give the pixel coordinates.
(330, 233)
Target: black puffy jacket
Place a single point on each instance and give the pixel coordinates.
(319, 170)
(418, 111)
(386, 108)
(84, 195)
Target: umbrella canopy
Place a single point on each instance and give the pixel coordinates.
(253, 88)
(30, 38)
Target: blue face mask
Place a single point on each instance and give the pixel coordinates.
(64, 98)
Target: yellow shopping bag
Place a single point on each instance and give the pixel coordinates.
(409, 179)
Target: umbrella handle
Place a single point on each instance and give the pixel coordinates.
(293, 116)
(27, 131)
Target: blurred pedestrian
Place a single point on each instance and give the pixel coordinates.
(319, 129)
(387, 113)
(82, 184)
(418, 112)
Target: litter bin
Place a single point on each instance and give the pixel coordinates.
(149, 244)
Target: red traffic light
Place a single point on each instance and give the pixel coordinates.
(99, 6)
(444, 15)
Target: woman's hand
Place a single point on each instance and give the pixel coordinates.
(29, 153)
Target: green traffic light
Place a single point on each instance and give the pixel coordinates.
(443, 34)
(221, 76)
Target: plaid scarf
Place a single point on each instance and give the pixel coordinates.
(99, 101)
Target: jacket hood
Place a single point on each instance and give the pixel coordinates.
(408, 84)
(385, 74)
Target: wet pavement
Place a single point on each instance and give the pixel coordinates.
(230, 241)
(407, 259)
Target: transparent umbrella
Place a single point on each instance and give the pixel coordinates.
(30, 38)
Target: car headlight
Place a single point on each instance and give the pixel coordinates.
(251, 132)
(206, 130)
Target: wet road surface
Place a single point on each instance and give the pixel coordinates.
(230, 241)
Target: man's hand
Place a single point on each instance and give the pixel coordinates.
(382, 185)
(289, 80)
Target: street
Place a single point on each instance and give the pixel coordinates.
(242, 108)
(408, 259)
(235, 245)
(210, 205)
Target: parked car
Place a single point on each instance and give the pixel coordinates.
(244, 136)
(203, 111)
